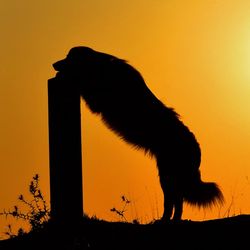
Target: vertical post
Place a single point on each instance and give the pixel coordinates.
(65, 151)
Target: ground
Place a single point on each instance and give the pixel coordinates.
(226, 233)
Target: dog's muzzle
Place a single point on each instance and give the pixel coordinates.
(60, 65)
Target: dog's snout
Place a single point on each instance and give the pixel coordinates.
(60, 65)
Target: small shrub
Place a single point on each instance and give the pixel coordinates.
(121, 212)
(38, 213)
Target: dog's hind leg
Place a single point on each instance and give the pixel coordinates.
(168, 207)
(178, 208)
(168, 196)
(173, 200)
(171, 185)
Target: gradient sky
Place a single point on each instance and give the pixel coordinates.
(195, 57)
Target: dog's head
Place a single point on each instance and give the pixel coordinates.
(82, 60)
(95, 74)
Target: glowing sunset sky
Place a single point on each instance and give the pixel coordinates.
(194, 55)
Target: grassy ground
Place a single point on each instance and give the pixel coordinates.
(227, 233)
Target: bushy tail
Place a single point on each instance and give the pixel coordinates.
(203, 194)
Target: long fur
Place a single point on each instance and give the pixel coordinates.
(117, 92)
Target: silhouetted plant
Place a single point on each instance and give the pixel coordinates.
(11, 234)
(38, 211)
(120, 212)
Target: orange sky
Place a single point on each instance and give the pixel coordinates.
(194, 55)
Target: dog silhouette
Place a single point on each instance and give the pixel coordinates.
(117, 92)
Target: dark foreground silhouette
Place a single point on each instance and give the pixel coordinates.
(117, 92)
(228, 233)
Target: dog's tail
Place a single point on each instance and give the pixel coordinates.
(203, 194)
